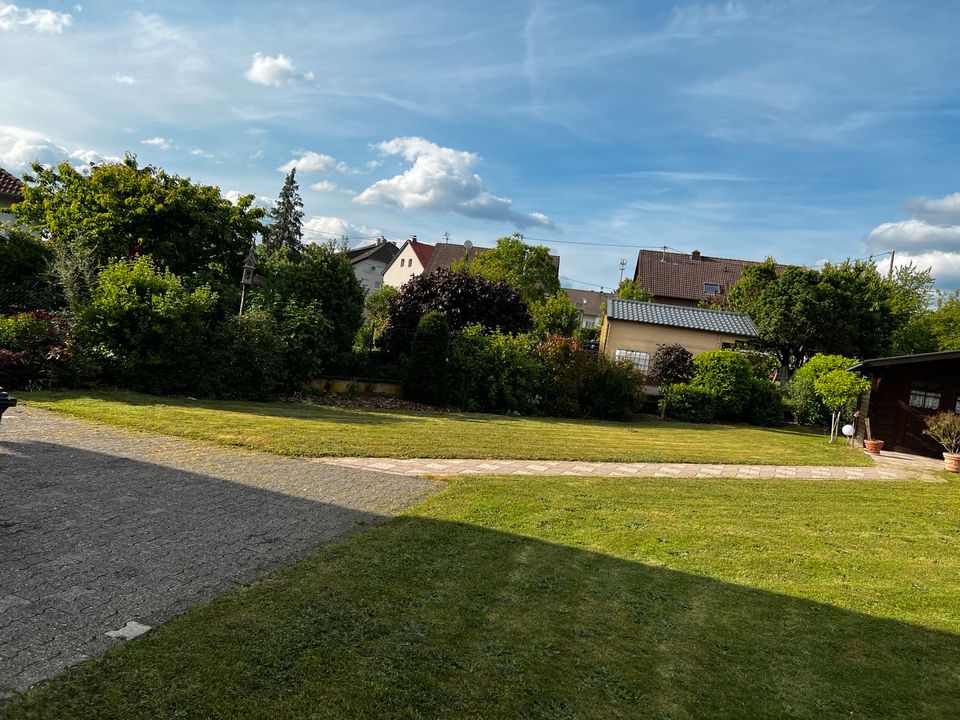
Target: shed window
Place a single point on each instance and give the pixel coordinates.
(711, 288)
(641, 360)
(925, 396)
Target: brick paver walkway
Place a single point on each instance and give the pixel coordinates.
(100, 527)
(889, 466)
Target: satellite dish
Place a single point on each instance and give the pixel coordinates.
(467, 244)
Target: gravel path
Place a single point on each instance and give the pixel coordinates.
(100, 527)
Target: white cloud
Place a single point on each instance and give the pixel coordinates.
(20, 147)
(929, 239)
(321, 228)
(310, 161)
(274, 71)
(324, 186)
(40, 20)
(157, 142)
(258, 200)
(942, 211)
(442, 180)
(201, 153)
(124, 79)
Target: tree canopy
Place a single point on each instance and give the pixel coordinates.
(632, 290)
(529, 269)
(465, 300)
(120, 210)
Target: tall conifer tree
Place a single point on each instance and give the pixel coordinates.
(286, 230)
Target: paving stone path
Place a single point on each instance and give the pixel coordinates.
(888, 466)
(100, 527)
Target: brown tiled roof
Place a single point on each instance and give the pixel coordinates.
(446, 254)
(680, 276)
(594, 299)
(10, 185)
(422, 250)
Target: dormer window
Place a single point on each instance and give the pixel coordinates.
(711, 288)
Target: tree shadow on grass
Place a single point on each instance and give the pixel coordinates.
(427, 618)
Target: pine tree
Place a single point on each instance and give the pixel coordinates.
(286, 230)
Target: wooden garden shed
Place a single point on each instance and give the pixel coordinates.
(904, 390)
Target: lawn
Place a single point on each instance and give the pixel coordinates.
(576, 598)
(309, 430)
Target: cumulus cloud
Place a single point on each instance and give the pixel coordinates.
(931, 238)
(320, 228)
(312, 162)
(442, 180)
(258, 200)
(157, 142)
(274, 71)
(20, 147)
(124, 79)
(324, 186)
(40, 20)
(199, 152)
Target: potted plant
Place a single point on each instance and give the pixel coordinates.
(944, 427)
(873, 446)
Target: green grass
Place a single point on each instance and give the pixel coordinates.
(577, 598)
(301, 429)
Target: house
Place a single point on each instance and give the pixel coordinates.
(409, 261)
(906, 389)
(370, 261)
(681, 279)
(633, 329)
(589, 303)
(11, 191)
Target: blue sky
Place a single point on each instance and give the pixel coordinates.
(805, 130)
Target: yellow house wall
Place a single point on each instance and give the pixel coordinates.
(645, 337)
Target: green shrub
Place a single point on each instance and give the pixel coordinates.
(555, 315)
(154, 332)
(806, 406)
(766, 403)
(615, 390)
(34, 349)
(567, 372)
(690, 403)
(250, 353)
(425, 377)
(494, 372)
(727, 375)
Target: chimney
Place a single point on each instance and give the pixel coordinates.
(695, 255)
(413, 239)
(381, 240)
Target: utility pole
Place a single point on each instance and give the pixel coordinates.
(893, 254)
(623, 264)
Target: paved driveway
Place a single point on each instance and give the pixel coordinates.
(100, 526)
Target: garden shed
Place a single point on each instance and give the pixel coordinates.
(905, 390)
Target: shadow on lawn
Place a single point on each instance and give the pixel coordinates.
(428, 618)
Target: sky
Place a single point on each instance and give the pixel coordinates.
(808, 131)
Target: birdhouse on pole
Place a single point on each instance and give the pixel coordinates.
(249, 267)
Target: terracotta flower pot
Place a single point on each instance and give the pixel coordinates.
(873, 446)
(952, 461)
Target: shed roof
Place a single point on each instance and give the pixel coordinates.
(721, 321)
(907, 359)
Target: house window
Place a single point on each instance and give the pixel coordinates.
(588, 322)
(640, 360)
(402, 262)
(377, 284)
(711, 288)
(957, 408)
(925, 396)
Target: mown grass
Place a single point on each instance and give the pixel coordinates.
(309, 430)
(577, 598)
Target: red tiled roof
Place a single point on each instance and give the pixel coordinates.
(680, 276)
(422, 250)
(10, 185)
